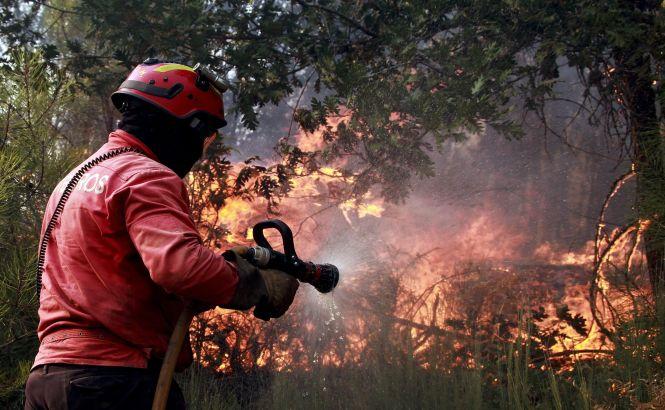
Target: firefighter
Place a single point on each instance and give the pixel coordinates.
(124, 253)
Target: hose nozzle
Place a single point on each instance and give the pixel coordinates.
(324, 277)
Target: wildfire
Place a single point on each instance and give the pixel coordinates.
(419, 246)
(583, 257)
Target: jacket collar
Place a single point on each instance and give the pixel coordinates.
(120, 138)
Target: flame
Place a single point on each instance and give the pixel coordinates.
(582, 257)
(361, 210)
(235, 215)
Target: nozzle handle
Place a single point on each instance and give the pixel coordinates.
(284, 231)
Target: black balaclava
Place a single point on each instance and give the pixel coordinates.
(172, 140)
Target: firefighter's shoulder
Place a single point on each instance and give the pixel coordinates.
(130, 165)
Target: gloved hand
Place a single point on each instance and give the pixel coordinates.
(281, 288)
(271, 291)
(239, 250)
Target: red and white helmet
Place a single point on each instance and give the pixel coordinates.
(180, 90)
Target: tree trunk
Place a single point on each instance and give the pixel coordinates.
(640, 101)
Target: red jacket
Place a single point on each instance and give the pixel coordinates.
(123, 254)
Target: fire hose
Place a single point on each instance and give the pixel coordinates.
(324, 278)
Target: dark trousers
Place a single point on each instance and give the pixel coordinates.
(65, 386)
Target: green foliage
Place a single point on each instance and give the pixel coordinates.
(18, 24)
(32, 159)
(402, 77)
(203, 391)
(397, 111)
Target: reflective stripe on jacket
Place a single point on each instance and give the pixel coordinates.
(121, 258)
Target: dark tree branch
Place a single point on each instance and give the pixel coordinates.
(340, 15)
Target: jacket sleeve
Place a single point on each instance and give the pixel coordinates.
(158, 222)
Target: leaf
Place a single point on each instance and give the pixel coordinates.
(577, 322)
(478, 85)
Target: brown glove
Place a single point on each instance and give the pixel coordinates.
(281, 288)
(251, 288)
(271, 291)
